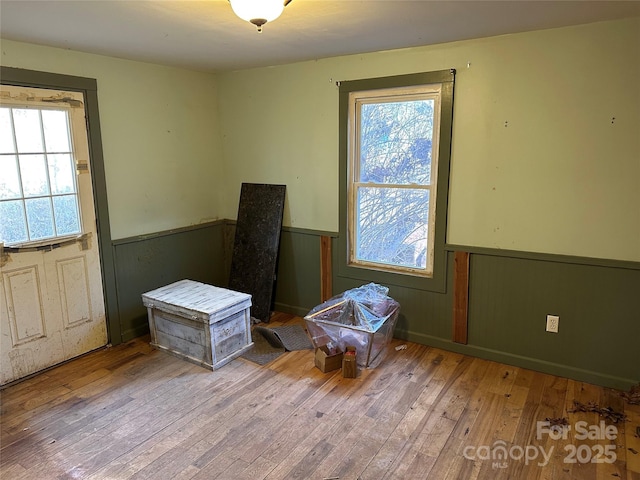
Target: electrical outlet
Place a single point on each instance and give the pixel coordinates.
(552, 323)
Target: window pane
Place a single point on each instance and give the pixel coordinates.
(56, 130)
(13, 228)
(28, 131)
(33, 170)
(9, 179)
(6, 135)
(395, 142)
(391, 226)
(38, 191)
(39, 218)
(65, 209)
(61, 173)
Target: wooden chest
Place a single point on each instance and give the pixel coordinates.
(206, 325)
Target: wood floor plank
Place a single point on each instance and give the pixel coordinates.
(165, 439)
(631, 439)
(111, 404)
(90, 450)
(407, 429)
(185, 429)
(93, 390)
(298, 444)
(256, 470)
(446, 401)
(131, 412)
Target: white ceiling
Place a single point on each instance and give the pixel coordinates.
(206, 35)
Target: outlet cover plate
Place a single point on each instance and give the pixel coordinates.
(552, 323)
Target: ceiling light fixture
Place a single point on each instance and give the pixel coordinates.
(258, 12)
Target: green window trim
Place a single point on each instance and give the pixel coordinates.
(437, 282)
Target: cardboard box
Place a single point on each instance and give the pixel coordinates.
(327, 362)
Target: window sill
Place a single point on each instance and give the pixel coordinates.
(436, 284)
(46, 245)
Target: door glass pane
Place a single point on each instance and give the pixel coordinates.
(28, 131)
(39, 218)
(6, 132)
(65, 209)
(33, 170)
(395, 142)
(61, 173)
(56, 130)
(9, 179)
(43, 184)
(13, 228)
(391, 226)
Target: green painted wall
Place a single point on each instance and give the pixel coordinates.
(145, 263)
(160, 136)
(598, 306)
(203, 253)
(545, 144)
(298, 274)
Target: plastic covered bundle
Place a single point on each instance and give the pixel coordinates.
(362, 317)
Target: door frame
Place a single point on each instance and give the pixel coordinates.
(89, 88)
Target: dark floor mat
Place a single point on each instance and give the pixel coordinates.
(262, 351)
(270, 343)
(292, 337)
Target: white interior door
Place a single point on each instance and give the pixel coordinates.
(51, 298)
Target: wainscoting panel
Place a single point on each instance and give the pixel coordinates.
(598, 306)
(298, 274)
(148, 262)
(509, 297)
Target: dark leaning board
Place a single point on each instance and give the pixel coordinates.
(255, 249)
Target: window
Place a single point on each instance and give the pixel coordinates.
(395, 150)
(38, 188)
(393, 169)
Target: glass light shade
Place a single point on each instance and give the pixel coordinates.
(257, 10)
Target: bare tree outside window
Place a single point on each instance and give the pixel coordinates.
(393, 160)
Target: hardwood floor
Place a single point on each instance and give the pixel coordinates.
(133, 412)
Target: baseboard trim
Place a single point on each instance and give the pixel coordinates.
(292, 309)
(543, 366)
(538, 365)
(138, 331)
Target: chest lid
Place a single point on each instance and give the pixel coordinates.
(196, 300)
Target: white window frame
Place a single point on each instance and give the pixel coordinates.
(394, 94)
(74, 114)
